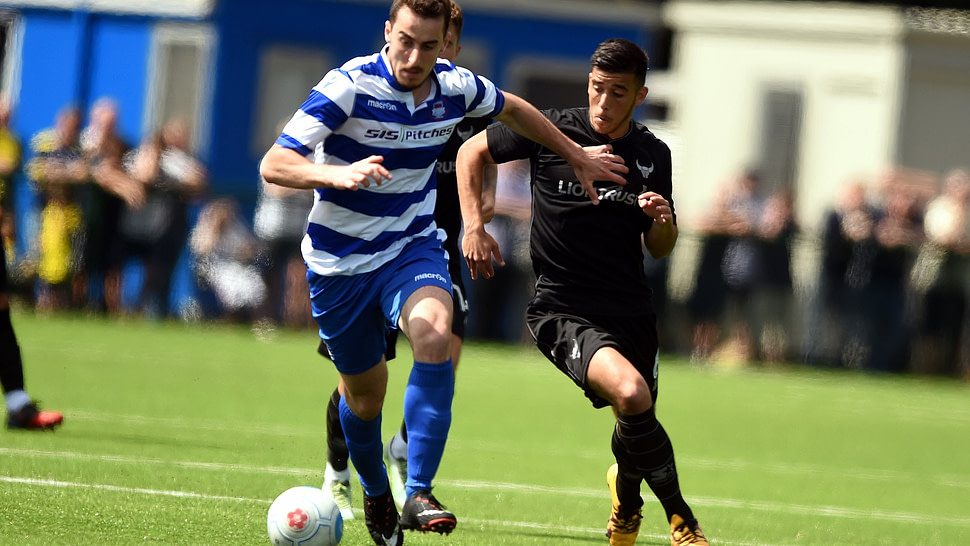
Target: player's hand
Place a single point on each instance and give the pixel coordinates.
(363, 173)
(479, 247)
(656, 207)
(600, 164)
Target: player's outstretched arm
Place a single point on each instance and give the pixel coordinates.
(525, 119)
(286, 167)
(477, 245)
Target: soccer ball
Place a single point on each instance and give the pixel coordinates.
(304, 516)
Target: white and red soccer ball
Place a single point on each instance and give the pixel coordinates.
(304, 516)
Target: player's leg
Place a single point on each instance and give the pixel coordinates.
(570, 342)
(22, 412)
(336, 476)
(641, 446)
(352, 325)
(586, 351)
(425, 316)
(396, 455)
(426, 320)
(360, 417)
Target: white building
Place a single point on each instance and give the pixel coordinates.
(813, 94)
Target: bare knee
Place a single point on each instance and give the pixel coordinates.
(614, 378)
(426, 321)
(632, 397)
(430, 342)
(365, 406)
(364, 393)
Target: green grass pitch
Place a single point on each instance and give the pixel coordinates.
(183, 434)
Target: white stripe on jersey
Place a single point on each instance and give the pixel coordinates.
(356, 111)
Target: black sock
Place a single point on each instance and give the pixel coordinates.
(337, 453)
(404, 431)
(643, 451)
(11, 367)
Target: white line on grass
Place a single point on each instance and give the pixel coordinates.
(187, 494)
(864, 474)
(811, 510)
(944, 480)
(119, 489)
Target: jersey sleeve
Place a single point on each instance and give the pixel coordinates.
(326, 109)
(506, 145)
(482, 98)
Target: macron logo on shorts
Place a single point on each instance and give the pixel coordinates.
(434, 276)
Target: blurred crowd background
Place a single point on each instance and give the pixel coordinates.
(821, 156)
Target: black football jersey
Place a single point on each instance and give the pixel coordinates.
(588, 259)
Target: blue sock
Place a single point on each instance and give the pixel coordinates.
(366, 450)
(427, 412)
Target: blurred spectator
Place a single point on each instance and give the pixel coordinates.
(60, 245)
(705, 305)
(878, 280)
(156, 231)
(11, 160)
(941, 276)
(280, 223)
(11, 156)
(57, 170)
(740, 266)
(848, 224)
(774, 298)
(495, 307)
(726, 273)
(226, 253)
(101, 203)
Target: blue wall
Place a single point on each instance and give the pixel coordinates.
(118, 69)
(246, 28)
(346, 30)
(78, 57)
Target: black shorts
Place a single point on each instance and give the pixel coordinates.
(569, 342)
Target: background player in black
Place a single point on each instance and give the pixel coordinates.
(591, 314)
(22, 412)
(448, 218)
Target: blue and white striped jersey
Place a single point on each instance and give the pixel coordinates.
(359, 110)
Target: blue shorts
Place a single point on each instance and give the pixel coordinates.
(356, 312)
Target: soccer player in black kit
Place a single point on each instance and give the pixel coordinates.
(591, 314)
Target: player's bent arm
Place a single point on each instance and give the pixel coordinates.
(478, 246)
(470, 163)
(525, 119)
(286, 167)
(660, 239)
(489, 185)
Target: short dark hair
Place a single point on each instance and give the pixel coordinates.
(427, 9)
(457, 20)
(621, 56)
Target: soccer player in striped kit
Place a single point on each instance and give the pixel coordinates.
(447, 216)
(374, 128)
